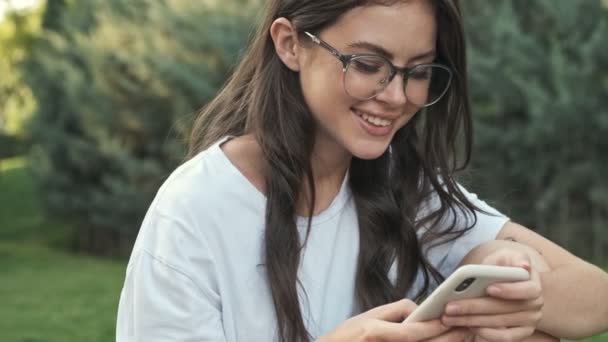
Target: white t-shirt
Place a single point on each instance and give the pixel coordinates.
(196, 274)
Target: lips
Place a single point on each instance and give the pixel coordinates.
(373, 125)
(373, 119)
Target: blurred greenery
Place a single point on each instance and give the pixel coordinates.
(132, 73)
(52, 296)
(20, 213)
(17, 103)
(539, 79)
(47, 293)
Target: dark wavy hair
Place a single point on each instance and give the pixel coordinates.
(264, 98)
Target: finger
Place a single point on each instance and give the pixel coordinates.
(399, 332)
(520, 290)
(509, 257)
(526, 318)
(392, 312)
(389, 331)
(453, 335)
(509, 334)
(491, 306)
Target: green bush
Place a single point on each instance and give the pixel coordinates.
(12, 146)
(17, 31)
(117, 83)
(539, 77)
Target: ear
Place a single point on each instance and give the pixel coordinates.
(286, 43)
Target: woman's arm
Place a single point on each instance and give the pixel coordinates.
(575, 293)
(171, 290)
(161, 303)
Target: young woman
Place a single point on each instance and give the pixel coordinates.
(320, 194)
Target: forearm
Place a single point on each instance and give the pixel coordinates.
(538, 336)
(576, 301)
(478, 254)
(575, 295)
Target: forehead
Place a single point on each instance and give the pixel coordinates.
(405, 28)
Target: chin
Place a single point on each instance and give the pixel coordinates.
(369, 151)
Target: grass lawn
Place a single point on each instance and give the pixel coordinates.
(47, 294)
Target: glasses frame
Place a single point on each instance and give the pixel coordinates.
(394, 70)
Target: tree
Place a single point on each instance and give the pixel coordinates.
(17, 31)
(539, 75)
(118, 82)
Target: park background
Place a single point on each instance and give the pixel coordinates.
(96, 97)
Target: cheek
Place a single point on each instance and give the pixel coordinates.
(407, 117)
(323, 90)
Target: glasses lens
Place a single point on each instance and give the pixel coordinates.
(426, 84)
(366, 76)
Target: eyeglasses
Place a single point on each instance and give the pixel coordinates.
(367, 75)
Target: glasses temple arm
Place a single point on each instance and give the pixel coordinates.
(325, 45)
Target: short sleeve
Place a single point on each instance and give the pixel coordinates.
(160, 299)
(447, 256)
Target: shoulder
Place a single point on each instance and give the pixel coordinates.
(457, 213)
(201, 205)
(246, 155)
(200, 197)
(209, 180)
(455, 233)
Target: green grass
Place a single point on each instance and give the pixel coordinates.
(48, 294)
(598, 338)
(20, 214)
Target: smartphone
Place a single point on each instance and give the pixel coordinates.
(469, 281)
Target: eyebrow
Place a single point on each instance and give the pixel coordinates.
(385, 53)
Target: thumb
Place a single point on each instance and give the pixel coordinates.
(521, 259)
(510, 257)
(392, 312)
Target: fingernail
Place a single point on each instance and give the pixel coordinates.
(452, 309)
(494, 290)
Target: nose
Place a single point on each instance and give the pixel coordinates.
(394, 93)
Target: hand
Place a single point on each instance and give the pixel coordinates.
(454, 335)
(511, 311)
(384, 323)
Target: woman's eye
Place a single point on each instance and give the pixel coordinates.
(423, 74)
(366, 67)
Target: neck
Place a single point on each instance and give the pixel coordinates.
(329, 165)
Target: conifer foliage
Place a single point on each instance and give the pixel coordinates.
(539, 75)
(117, 84)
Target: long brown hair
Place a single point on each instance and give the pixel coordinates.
(264, 97)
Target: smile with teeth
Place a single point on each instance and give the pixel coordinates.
(374, 120)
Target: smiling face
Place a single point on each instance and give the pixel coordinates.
(406, 33)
